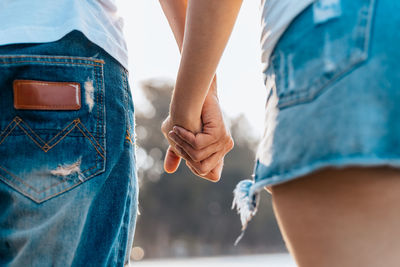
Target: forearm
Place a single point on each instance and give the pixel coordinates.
(175, 12)
(209, 24)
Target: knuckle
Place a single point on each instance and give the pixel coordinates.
(178, 141)
(214, 138)
(196, 144)
(204, 170)
(195, 165)
(196, 157)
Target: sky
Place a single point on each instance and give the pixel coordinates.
(153, 53)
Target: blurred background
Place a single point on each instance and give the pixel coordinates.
(183, 216)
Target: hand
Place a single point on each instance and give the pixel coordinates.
(172, 159)
(204, 152)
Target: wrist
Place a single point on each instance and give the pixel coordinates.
(185, 117)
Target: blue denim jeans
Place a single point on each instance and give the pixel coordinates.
(68, 187)
(333, 94)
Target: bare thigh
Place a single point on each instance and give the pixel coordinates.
(348, 217)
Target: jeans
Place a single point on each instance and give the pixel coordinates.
(68, 186)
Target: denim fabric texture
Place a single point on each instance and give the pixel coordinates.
(333, 95)
(68, 187)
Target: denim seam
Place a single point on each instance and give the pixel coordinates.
(49, 62)
(46, 148)
(318, 87)
(46, 145)
(9, 131)
(53, 57)
(103, 124)
(18, 132)
(92, 137)
(122, 240)
(126, 110)
(20, 185)
(97, 101)
(34, 189)
(100, 111)
(38, 137)
(91, 142)
(51, 196)
(56, 194)
(307, 95)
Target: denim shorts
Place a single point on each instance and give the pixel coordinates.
(333, 94)
(68, 187)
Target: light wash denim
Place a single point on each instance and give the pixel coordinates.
(68, 187)
(333, 96)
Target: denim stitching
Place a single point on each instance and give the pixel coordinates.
(90, 140)
(97, 101)
(103, 121)
(29, 186)
(47, 188)
(89, 169)
(52, 132)
(65, 128)
(51, 57)
(34, 140)
(49, 62)
(125, 97)
(15, 125)
(128, 136)
(101, 91)
(5, 129)
(368, 26)
(47, 106)
(55, 194)
(93, 137)
(26, 125)
(362, 39)
(46, 145)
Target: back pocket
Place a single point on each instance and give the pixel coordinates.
(48, 150)
(305, 63)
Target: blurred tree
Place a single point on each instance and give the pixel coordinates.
(183, 215)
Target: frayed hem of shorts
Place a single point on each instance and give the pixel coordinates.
(246, 193)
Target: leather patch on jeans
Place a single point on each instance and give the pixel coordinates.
(43, 95)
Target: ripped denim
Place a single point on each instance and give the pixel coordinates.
(68, 188)
(333, 92)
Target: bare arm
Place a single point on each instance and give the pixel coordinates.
(214, 142)
(175, 12)
(209, 24)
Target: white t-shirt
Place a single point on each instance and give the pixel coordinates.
(34, 21)
(276, 17)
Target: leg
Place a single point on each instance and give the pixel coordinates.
(348, 217)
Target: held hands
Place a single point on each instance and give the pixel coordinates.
(204, 150)
(201, 29)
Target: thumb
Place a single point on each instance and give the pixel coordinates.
(171, 161)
